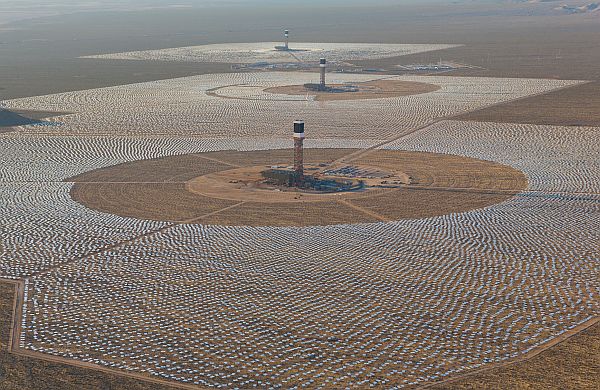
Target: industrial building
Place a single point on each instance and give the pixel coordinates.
(298, 179)
(286, 43)
(322, 86)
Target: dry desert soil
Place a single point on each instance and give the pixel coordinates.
(378, 89)
(575, 106)
(159, 189)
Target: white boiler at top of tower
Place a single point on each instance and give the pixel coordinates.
(298, 129)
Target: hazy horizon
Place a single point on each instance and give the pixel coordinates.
(10, 11)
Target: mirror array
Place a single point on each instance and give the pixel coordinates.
(389, 304)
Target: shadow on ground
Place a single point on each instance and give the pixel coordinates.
(12, 119)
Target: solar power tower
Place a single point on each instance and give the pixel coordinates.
(323, 66)
(298, 152)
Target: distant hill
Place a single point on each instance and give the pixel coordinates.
(592, 7)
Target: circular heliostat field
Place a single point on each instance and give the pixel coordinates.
(217, 188)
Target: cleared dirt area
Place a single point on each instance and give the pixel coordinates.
(155, 201)
(424, 202)
(168, 189)
(370, 90)
(150, 189)
(247, 185)
(440, 184)
(289, 214)
(572, 364)
(575, 106)
(442, 170)
(18, 372)
(155, 171)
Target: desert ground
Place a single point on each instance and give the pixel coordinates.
(172, 189)
(369, 90)
(480, 271)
